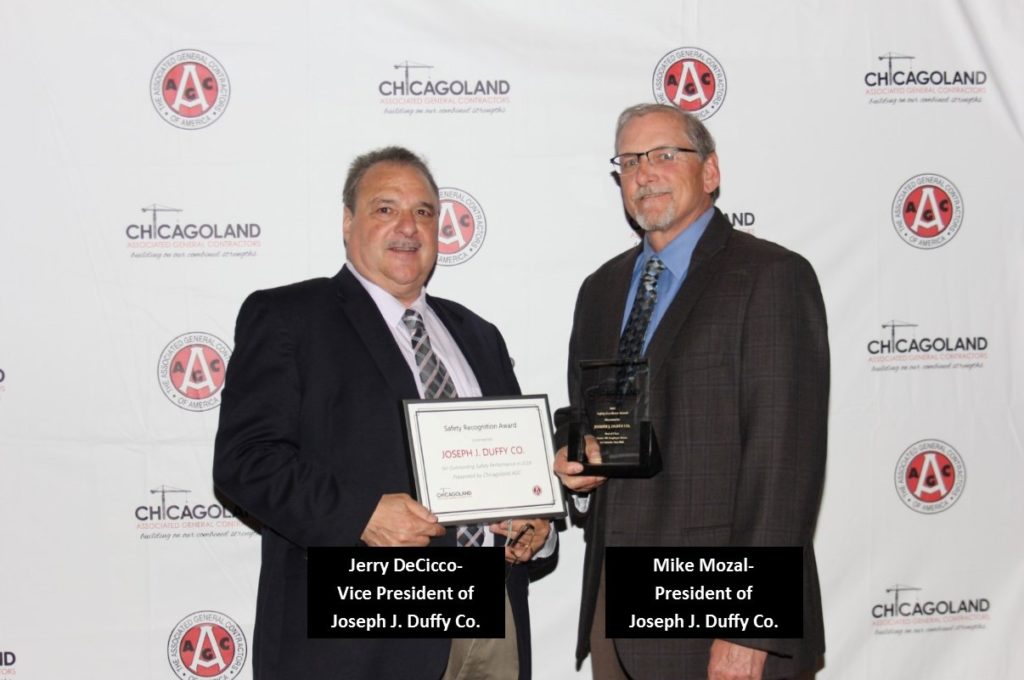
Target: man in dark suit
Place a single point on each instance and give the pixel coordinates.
(736, 341)
(311, 434)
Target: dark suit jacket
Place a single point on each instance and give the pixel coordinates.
(310, 437)
(739, 400)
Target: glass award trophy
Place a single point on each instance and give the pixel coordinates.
(613, 406)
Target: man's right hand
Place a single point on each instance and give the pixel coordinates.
(400, 521)
(569, 472)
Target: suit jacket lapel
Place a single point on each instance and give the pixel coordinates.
(606, 343)
(488, 376)
(713, 240)
(377, 338)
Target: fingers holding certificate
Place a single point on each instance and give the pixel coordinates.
(484, 460)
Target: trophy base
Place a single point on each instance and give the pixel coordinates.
(640, 464)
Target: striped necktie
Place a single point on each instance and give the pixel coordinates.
(437, 384)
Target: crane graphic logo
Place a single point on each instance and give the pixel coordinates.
(415, 82)
(908, 81)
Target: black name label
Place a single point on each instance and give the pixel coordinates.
(406, 592)
(704, 592)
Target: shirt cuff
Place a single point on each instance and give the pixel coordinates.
(582, 503)
(549, 545)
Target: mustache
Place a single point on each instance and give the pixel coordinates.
(408, 244)
(644, 192)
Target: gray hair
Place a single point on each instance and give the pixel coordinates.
(389, 154)
(692, 127)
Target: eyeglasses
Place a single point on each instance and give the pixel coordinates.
(629, 162)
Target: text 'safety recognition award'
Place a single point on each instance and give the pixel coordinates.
(484, 460)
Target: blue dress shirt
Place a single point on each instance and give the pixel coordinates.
(676, 256)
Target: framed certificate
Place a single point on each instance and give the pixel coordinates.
(485, 459)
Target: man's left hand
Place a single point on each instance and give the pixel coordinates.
(730, 661)
(532, 540)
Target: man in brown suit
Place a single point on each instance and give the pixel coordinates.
(738, 352)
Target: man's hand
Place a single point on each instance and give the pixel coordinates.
(730, 661)
(400, 521)
(569, 472)
(532, 539)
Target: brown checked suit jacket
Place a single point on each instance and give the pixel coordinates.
(739, 403)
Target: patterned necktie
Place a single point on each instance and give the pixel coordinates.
(631, 343)
(437, 384)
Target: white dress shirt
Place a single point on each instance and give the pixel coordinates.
(446, 349)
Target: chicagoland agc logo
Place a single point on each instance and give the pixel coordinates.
(692, 79)
(164, 234)
(206, 644)
(190, 89)
(908, 610)
(901, 347)
(461, 228)
(191, 370)
(927, 211)
(930, 476)
(410, 88)
(178, 517)
(900, 79)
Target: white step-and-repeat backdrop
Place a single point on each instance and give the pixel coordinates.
(162, 160)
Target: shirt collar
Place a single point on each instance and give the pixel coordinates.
(676, 255)
(390, 308)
